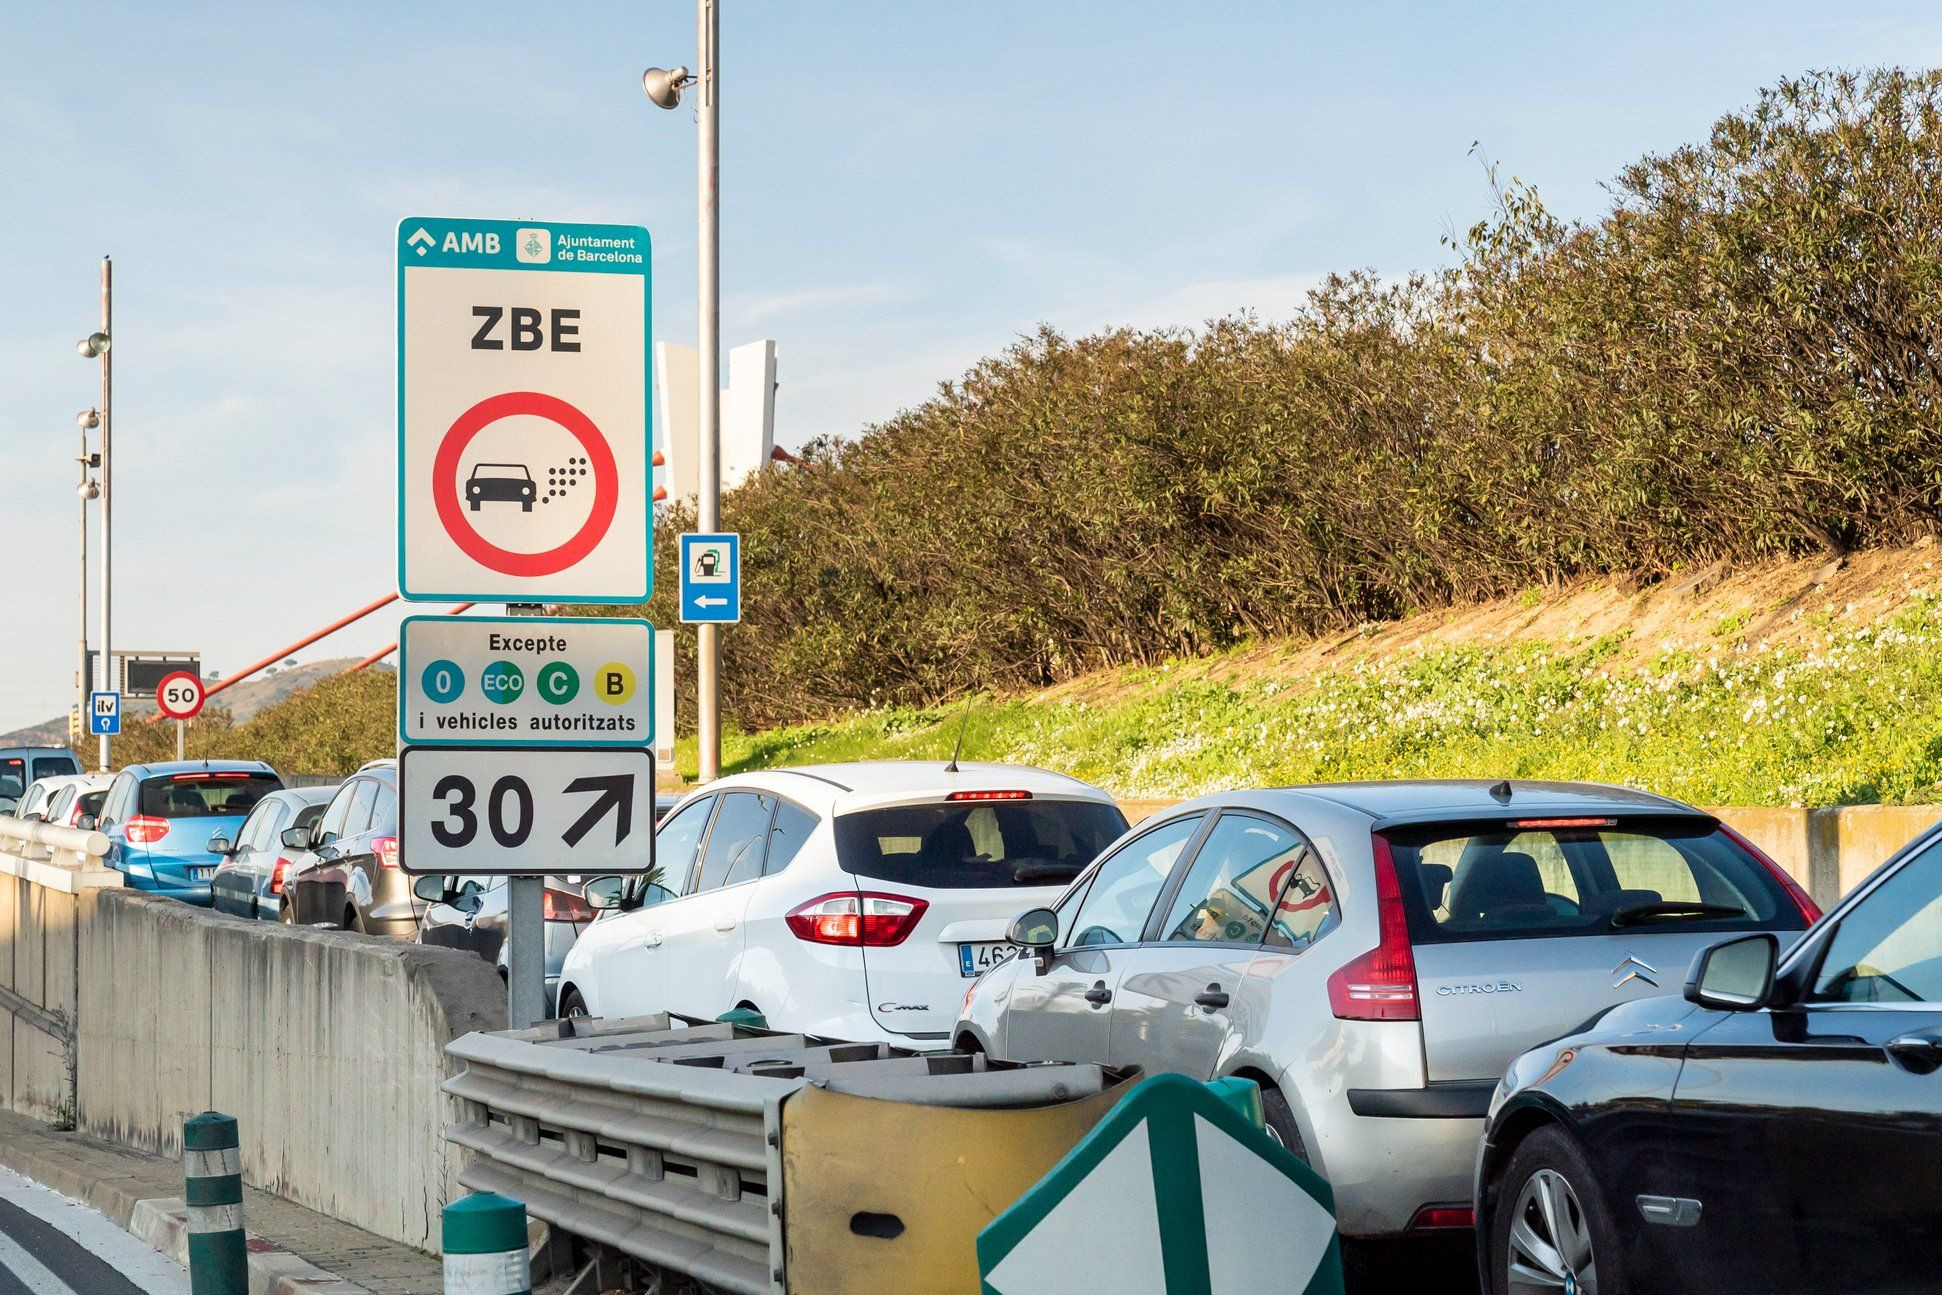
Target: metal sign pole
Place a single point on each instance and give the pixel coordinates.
(526, 1004)
(108, 682)
(708, 507)
(181, 740)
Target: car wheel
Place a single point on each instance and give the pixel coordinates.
(354, 921)
(1280, 1118)
(286, 912)
(571, 1004)
(1552, 1230)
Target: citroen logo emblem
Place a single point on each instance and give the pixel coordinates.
(1634, 968)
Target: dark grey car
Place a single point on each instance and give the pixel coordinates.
(470, 913)
(349, 876)
(255, 865)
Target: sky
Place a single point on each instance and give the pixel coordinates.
(906, 187)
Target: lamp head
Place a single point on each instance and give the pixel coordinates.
(88, 418)
(664, 85)
(89, 489)
(94, 344)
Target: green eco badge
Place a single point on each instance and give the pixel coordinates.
(502, 682)
(558, 683)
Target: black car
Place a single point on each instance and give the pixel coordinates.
(1778, 1128)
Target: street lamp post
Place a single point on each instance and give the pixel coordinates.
(87, 489)
(664, 88)
(96, 346)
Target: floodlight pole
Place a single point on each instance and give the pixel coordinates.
(107, 488)
(708, 511)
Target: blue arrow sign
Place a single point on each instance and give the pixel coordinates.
(711, 579)
(104, 714)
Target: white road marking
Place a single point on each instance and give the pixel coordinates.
(146, 1269)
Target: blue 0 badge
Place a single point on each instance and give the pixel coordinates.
(443, 681)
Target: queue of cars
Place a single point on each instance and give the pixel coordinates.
(1455, 996)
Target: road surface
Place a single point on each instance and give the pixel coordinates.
(50, 1245)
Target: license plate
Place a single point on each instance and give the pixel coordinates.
(976, 959)
(201, 874)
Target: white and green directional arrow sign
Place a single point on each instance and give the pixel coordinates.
(1174, 1193)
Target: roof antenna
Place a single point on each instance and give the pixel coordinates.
(1501, 791)
(957, 750)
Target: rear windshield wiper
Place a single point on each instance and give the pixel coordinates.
(1669, 910)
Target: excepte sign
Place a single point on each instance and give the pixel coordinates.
(522, 681)
(524, 446)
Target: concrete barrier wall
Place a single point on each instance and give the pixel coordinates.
(127, 1013)
(327, 1047)
(1828, 851)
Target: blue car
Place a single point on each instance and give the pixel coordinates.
(160, 818)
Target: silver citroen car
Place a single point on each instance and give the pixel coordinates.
(1374, 955)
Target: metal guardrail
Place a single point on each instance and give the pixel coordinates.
(80, 847)
(665, 1143)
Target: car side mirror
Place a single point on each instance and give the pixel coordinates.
(219, 844)
(434, 889)
(297, 838)
(1736, 975)
(605, 893)
(86, 822)
(1036, 932)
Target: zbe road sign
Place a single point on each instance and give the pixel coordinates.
(524, 454)
(179, 695)
(525, 681)
(711, 579)
(524, 812)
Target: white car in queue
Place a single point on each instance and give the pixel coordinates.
(849, 901)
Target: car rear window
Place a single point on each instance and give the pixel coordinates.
(1582, 876)
(206, 795)
(976, 845)
(55, 766)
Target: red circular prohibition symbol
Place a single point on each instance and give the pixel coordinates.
(445, 471)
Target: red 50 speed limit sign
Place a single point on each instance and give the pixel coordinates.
(180, 695)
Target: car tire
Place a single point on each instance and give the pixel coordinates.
(571, 1004)
(286, 912)
(1550, 1163)
(1280, 1117)
(354, 921)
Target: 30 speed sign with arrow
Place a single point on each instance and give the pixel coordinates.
(517, 811)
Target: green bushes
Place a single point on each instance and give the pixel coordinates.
(1850, 715)
(1737, 360)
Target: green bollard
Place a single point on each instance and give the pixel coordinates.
(485, 1247)
(212, 1168)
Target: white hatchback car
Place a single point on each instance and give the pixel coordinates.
(851, 901)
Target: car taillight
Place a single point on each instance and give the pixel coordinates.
(850, 918)
(1795, 891)
(1381, 984)
(144, 829)
(1808, 909)
(277, 874)
(386, 848)
(1432, 1218)
(565, 906)
(989, 795)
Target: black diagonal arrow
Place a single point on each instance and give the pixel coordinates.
(616, 793)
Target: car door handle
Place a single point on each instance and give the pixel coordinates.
(1920, 1052)
(652, 940)
(1213, 998)
(724, 924)
(1099, 995)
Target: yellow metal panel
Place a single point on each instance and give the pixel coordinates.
(889, 1196)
